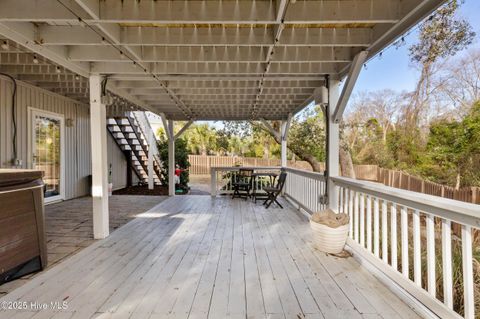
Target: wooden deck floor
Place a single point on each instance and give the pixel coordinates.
(198, 257)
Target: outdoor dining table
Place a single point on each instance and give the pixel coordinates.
(262, 195)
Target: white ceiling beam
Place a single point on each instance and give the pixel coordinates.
(161, 11)
(227, 97)
(120, 92)
(345, 11)
(40, 11)
(214, 36)
(218, 84)
(245, 102)
(214, 54)
(223, 91)
(219, 96)
(353, 74)
(172, 54)
(25, 32)
(218, 78)
(218, 68)
(34, 69)
(201, 12)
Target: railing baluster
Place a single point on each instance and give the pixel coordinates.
(393, 234)
(340, 199)
(404, 235)
(350, 211)
(384, 231)
(376, 228)
(431, 255)
(357, 219)
(447, 262)
(400, 204)
(369, 223)
(417, 253)
(362, 219)
(468, 292)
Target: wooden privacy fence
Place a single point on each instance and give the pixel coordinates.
(405, 181)
(201, 164)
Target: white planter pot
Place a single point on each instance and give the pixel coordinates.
(328, 239)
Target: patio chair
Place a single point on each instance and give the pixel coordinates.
(273, 192)
(242, 183)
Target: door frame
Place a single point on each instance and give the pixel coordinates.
(31, 137)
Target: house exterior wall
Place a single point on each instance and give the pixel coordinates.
(118, 162)
(77, 135)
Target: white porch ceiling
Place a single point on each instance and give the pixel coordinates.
(211, 59)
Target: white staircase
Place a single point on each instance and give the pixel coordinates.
(131, 131)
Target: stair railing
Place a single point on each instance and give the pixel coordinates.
(146, 130)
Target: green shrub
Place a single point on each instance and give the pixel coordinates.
(181, 158)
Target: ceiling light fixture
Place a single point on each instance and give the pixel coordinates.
(5, 45)
(35, 60)
(58, 69)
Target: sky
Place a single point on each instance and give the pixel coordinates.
(394, 70)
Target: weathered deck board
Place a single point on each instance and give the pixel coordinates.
(198, 257)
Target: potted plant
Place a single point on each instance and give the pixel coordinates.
(330, 231)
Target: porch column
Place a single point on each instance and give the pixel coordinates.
(98, 133)
(284, 127)
(151, 139)
(333, 143)
(171, 159)
(283, 152)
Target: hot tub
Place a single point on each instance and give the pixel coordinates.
(22, 223)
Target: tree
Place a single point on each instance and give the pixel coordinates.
(201, 139)
(181, 159)
(453, 151)
(442, 35)
(458, 84)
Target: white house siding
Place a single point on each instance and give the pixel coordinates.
(118, 162)
(77, 136)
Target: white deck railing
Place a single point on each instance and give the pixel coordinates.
(385, 220)
(305, 189)
(221, 178)
(422, 243)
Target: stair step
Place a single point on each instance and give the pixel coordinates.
(122, 121)
(114, 128)
(126, 129)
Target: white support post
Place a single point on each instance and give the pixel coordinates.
(171, 158)
(334, 144)
(353, 74)
(284, 127)
(151, 140)
(284, 151)
(98, 132)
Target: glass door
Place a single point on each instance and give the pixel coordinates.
(47, 152)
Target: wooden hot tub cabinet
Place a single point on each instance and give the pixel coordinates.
(22, 223)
